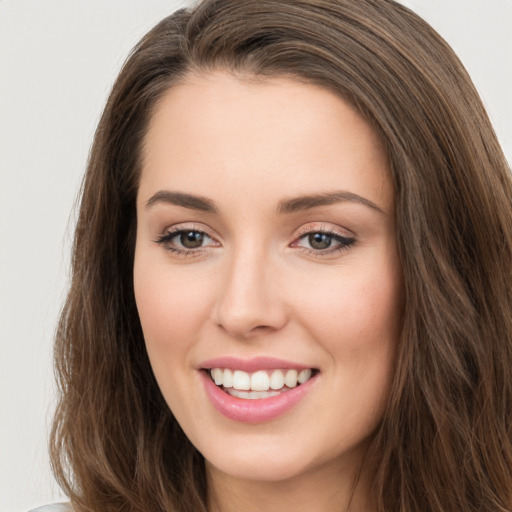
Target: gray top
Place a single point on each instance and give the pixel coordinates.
(56, 507)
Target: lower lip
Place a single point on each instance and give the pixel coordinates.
(254, 411)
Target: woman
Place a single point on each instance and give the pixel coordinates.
(291, 273)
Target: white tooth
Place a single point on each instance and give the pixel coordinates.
(290, 378)
(266, 394)
(239, 394)
(217, 375)
(304, 375)
(260, 381)
(277, 379)
(241, 380)
(252, 395)
(228, 378)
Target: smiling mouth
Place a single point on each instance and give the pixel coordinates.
(259, 384)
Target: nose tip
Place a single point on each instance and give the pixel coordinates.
(243, 317)
(250, 302)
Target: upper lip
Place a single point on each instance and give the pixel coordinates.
(251, 365)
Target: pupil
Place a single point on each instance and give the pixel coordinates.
(319, 241)
(191, 240)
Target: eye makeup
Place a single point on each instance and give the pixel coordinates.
(312, 240)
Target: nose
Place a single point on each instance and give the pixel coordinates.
(250, 299)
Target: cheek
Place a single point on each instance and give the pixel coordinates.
(171, 306)
(357, 321)
(360, 312)
(359, 326)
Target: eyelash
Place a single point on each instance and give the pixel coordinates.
(166, 238)
(343, 242)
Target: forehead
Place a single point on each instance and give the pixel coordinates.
(277, 134)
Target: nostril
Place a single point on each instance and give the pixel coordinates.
(245, 331)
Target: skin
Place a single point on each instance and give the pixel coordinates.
(257, 287)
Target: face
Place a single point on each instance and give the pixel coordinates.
(266, 274)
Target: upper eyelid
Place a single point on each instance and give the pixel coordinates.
(184, 226)
(324, 227)
(308, 228)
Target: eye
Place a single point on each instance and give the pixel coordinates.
(190, 239)
(323, 242)
(319, 241)
(185, 241)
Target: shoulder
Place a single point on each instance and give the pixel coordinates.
(56, 507)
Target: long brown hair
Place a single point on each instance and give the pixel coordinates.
(445, 443)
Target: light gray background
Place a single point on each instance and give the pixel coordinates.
(58, 60)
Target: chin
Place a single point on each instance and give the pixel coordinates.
(261, 469)
(273, 460)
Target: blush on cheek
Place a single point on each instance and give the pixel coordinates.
(162, 295)
(164, 319)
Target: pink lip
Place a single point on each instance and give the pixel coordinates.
(253, 411)
(251, 365)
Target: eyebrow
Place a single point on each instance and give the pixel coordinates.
(301, 203)
(286, 206)
(185, 200)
